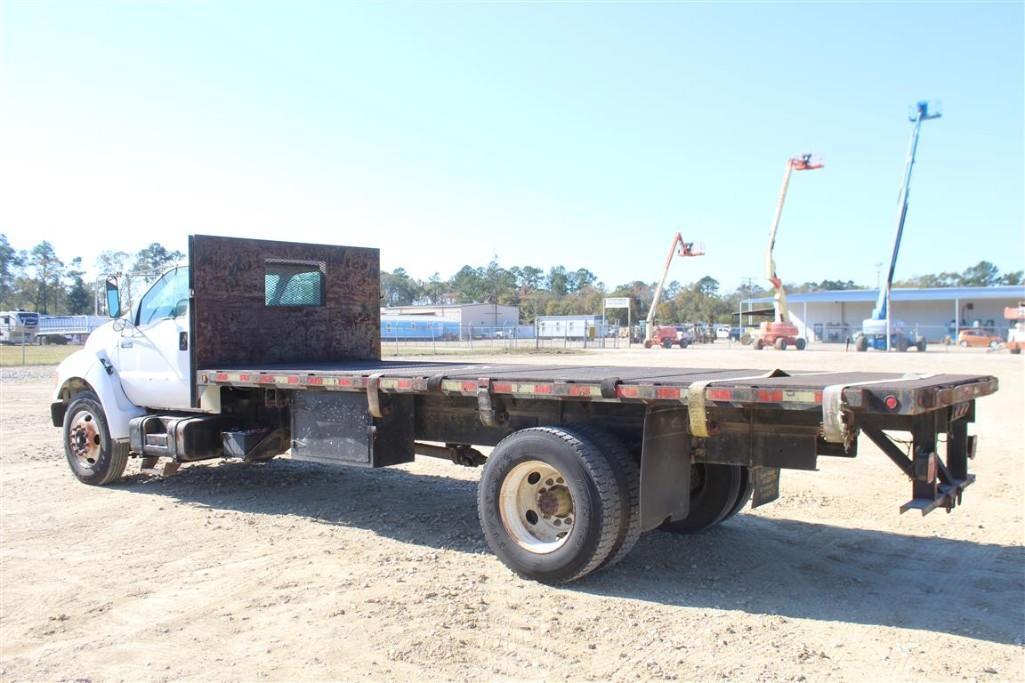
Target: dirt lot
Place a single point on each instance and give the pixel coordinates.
(287, 571)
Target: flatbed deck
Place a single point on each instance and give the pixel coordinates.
(915, 393)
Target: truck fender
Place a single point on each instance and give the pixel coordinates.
(97, 373)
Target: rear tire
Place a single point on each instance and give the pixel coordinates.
(861, 344)
(628, 475)
(801, 343)
(781, 344)
(94, 458)
(759, 344)
(714, 495)
(535, 481)
(747, 486)
(667, 343)
(921, 345)
(1016, 350)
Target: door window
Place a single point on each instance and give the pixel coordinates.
(162, 299)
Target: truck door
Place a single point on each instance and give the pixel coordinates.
(153, 351)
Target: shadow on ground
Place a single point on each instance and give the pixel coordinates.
(752, 564)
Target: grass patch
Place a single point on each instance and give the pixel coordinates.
(11, 356)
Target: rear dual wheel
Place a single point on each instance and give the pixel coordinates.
(717, 493)
(557, 503)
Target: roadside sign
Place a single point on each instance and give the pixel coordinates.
(617, 302)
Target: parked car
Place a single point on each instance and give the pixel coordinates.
(978, 338)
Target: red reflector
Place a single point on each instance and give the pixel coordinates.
(770, 395)
(818, 397)
(266, 379)
(405, 384)
(502, 387)
(293, 379)
(542, 388)
(720, 394)
(671, 393)
(222, 377)
(579, 390)
(314, 380)
(891, 402)
(469, 387)
(626, 392)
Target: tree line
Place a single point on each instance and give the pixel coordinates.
(37, 279)
(564, 291)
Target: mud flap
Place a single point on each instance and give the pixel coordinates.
(665, 467)
(765, 484)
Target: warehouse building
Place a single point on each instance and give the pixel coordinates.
(461, 321)
(476, 315)
(936, 313)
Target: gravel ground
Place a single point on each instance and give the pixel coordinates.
(287, 571)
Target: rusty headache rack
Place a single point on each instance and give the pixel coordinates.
(835, 405)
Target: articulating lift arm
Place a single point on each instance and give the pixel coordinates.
(882, 307)
(678, 246)
(801, 163)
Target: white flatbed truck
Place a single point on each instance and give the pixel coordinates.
(257, 348)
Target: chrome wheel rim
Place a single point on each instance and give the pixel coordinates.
(537, 507)
(84, 439)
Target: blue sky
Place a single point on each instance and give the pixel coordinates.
(576, 134)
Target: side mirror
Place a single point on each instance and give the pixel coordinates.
(113, 298)
(181, 308)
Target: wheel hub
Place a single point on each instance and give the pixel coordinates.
(84, 439)
(536, 506)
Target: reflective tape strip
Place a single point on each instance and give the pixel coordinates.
(833, 428)
(696, 400)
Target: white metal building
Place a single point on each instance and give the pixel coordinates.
(570, 326)
(476, 315)
(833, 315)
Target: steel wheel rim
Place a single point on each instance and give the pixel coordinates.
(84, 439)
(537, 507)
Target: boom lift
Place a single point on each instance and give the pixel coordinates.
(665, 335)
(878, 332)
(781, 332)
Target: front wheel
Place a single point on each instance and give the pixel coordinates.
(94, 457)
(861, 344)
(921, 345)
(801, 343)
(781, 344)
(551, 505)
(759, 344)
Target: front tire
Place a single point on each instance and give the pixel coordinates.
(94, 458)
(550, 504)
(801, 343)
(781, 344)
